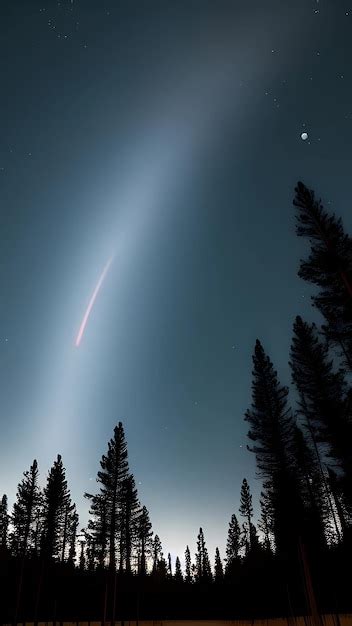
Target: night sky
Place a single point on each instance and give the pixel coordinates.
(168, 134)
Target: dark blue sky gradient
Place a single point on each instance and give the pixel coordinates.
(204, 267)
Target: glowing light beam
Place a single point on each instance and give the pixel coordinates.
(91, 302)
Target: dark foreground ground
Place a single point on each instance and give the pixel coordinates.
(36, 591)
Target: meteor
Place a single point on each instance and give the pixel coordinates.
(91, 302)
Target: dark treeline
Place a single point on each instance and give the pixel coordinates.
(294, 558)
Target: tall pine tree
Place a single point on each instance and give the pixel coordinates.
(218, 569)
(246, 507)
(4, 522)
(188, 566)
(113, 473)
(323, 402)
(25, 511)
(329, 267)
(56, 500)
(97, 531)
(144, 535)
(157, 552)
(271, 430)
(130, 511)
(203, 569)
(233, 545)
(178, 571)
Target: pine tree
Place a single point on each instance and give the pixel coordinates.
(218, 570)
(265, 524)
(144, 534)
(188, 565)
(169, 566)
(4, 522)
(324, 402)
(156, 551)
(130, 511)
(68, 519)
(178, 571)
(162, 567)
(56, 500)
(38, 527)
(98, 530)
(24, 511)
(233, 545)
(255, 543)
(246, 507)
(203, 569)
(72, 535)
(113, 473)
(311, 489)
(271, 430)
(245, 538)
(329, 266)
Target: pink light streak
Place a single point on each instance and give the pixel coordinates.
(91, 302)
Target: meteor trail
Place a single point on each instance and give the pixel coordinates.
(91, 302)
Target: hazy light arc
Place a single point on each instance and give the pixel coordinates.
(91, 302)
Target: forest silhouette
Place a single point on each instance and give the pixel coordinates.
(292, 559)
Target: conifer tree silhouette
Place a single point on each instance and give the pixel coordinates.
(4, 522)
(246, 507)
(178, 571)
(156, 552)
(202, 565)
(24, 512)
(169, 566)
(56, 500)
(233, 545)
(218, 569)
(162, 567)
(329, 266)
(271, 430)
(130, 511)
(97, 530)
(106, 506)
(245, 538)
(255, 544)
(265, 524)
(312, 490)
(72, 535)
(324, 401)
(69, 521)
(188, 566)
(144, 534)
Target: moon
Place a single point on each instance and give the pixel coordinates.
(304, 136)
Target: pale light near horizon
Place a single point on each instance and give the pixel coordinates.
(91, 302)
